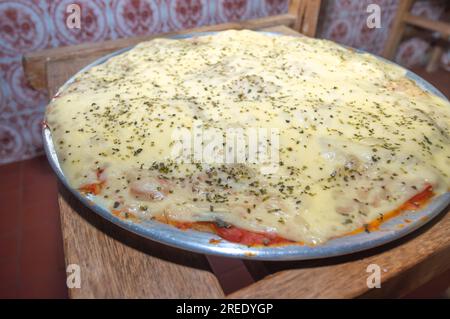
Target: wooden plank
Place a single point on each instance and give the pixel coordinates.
(406, 264)
(297, 8)
(282, 29)
(309, 27)
(435, 58)
(60, 70)
(116, 263)
(398, 27)
(433, 25)
(307, 15)
(34, 63)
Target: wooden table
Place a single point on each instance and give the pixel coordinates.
(117, 264)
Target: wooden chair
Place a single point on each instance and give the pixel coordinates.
(402, 19)
(117, 264)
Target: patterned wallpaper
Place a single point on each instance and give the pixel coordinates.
(30, 25)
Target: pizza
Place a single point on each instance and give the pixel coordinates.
(331, 141)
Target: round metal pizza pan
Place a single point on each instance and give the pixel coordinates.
(200, 242)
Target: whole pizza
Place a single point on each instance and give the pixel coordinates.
(262, 140)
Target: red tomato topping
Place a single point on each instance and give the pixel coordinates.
(94, 188)
(422, 197)
(249, 238)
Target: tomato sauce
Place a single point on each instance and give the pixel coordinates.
(241, 236)
(413, 203)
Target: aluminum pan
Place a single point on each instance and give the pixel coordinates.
(196, 241)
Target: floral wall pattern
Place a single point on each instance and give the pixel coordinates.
(30, 25)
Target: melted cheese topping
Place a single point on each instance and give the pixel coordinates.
(357, 138)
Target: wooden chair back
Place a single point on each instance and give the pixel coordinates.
(404, 18)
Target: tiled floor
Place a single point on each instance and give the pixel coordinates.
(31, 253)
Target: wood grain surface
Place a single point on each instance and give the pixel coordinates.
(118, 264)
(307, 13)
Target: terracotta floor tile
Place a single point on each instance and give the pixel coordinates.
(10, 176)
(36, 169)
(8, 272)
(10, 203)
(41, 252)
(9, 246)
(52, 287)
(9, 292)
(35, 190)
(39, 181)
(31, 256)
(40, 212)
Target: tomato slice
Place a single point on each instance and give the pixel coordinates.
(94, 188)
(249, 238)
(419, 199)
